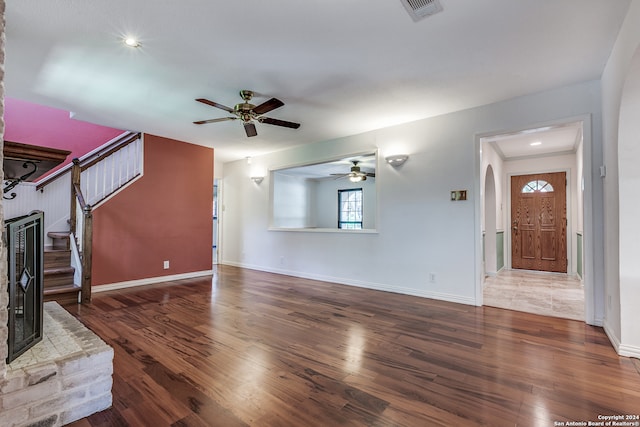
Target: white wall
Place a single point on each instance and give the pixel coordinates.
(622, 317)
(292, 201)
(419, 230)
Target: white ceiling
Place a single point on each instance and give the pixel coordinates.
(536, 142)
(341, 67)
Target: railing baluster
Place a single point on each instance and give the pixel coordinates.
(120, 168)
(103, 176)
(129, 162)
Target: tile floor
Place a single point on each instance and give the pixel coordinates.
(548, 294)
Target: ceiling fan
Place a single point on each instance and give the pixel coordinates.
(356, 175)
(249, 113)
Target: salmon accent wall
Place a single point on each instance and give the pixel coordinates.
(165, 215)
(35, 124)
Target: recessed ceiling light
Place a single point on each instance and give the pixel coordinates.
(131, 42)
(533, 144)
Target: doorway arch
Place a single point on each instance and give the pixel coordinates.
(490, 228)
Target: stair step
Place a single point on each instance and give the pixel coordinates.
(58, 276)
(62, 294)
(58, 270)
(57, 258)
(60, 239)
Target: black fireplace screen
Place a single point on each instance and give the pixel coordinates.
(25, 253)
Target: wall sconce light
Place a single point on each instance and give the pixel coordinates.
(257, 179)
(397, 159)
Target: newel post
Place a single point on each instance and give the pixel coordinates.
(87, 241)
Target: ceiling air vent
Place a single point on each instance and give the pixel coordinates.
(420, 9)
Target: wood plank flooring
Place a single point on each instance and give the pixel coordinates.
(257, 349)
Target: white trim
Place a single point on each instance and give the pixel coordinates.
(360, 284)
(327, 230)
(149, 281)
(629, 351)
(612, 337)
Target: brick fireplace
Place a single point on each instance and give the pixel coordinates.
(65, 377)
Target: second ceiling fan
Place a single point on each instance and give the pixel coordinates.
(355, 174)
(249, 113)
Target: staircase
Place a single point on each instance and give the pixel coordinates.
(93, 178)
(58, 272)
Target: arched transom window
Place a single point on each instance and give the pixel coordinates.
(538, 185)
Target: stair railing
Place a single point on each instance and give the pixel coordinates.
(81, 228)
(93, 180)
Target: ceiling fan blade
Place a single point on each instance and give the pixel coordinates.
(267, 106)
(277, 122)
(250, 129)
(222, 119)
(215, 104)
(371, 174)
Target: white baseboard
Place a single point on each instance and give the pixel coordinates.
(621, 349)
(629, 351)
(149, 281)
(361, 284)
(612, 337)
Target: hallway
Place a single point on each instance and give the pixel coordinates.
(547, 294)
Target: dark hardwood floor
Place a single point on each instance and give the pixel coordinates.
(260, 349)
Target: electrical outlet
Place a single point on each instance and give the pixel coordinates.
(432, 277)
(166, 265)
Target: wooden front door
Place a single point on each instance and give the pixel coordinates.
(539, 222)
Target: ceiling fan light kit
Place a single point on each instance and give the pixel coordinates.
(249, 113)
(355, 174)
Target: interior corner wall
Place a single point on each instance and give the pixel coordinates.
(164, 216)
(424, 244)
(613, 81)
